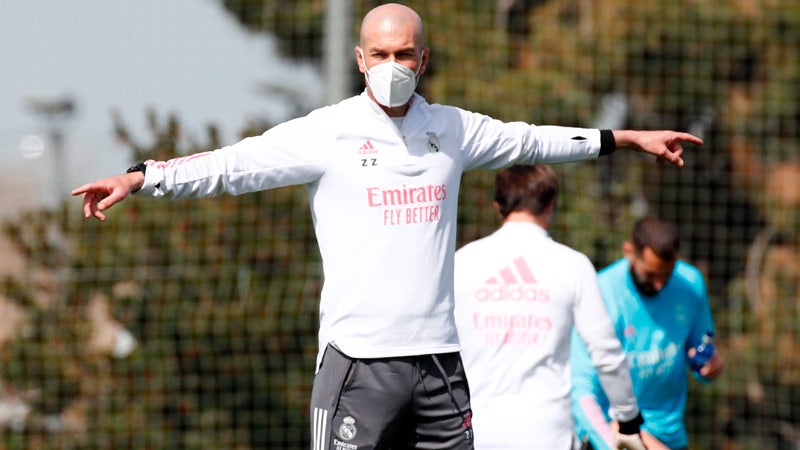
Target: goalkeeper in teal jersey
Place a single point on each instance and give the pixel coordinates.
(659, 307)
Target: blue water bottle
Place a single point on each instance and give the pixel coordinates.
(703, 352)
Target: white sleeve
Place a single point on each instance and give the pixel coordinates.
(492, 144)
(288, 154)
(593, 324)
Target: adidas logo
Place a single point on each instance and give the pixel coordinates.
(367, 149)
(507, 274)
(514, 282)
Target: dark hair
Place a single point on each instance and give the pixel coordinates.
(525, 188)
(661, 236)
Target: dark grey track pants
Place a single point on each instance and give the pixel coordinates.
(411, 402)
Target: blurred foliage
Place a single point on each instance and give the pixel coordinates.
(225, 318)
(221, 294)
(296, 25)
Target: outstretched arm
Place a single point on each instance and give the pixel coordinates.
(665, 145)
(105, 193)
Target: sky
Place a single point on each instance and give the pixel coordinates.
(184, 57)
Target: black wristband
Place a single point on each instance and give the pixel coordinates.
(631, 426)
(141, 167)
(607, 142)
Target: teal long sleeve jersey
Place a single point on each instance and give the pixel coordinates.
(655, 333)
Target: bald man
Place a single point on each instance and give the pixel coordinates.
(382, 170)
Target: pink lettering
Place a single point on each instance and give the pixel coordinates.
(422, 214)
(514, 338)
(391, 216)
(175, 161)
(511, 321)
(394, 197)
(512, 292)
(372, 195)
(377, 197)
(440, 192)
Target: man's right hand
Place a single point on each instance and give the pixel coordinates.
(629, 442)
(105, 193)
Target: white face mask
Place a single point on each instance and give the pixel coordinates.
(391, 83)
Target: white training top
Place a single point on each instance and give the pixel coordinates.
(383, 202)
(518, 295)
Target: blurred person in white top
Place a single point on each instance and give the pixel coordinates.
(518, 295)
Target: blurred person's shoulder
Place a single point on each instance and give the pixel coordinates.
(614, 270)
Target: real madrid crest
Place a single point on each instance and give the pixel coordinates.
(348, 428)
(433, 141)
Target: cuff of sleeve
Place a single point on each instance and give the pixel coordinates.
(607, 143)
(631, 426)
(151, 182)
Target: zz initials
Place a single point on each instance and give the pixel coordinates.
(366, 162)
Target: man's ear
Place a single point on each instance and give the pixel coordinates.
(424, 60)
(497, 210)
(628, 250)
(360, 60)
(551, 207)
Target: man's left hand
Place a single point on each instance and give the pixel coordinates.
(712, 368)
(665, 145)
